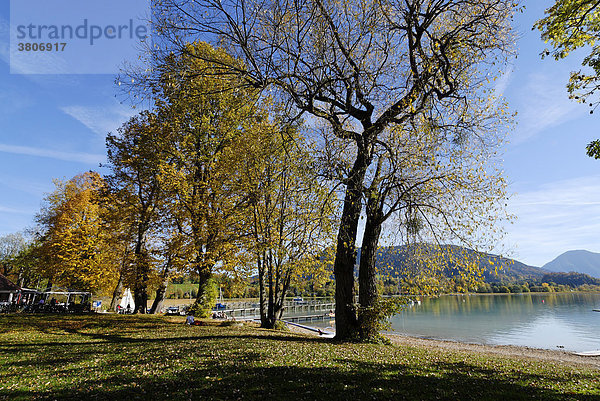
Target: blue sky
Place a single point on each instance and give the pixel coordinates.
(556, 186)
(53, 126)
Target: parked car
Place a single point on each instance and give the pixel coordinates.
(299, 301)
(172, 310)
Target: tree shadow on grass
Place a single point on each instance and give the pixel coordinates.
(242, 377)
(118, 328)
(125, 339)
(276, 383)
(126, 365)
(47, 322)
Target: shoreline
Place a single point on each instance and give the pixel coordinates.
(508, 351)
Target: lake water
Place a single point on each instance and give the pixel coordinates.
(550, 321)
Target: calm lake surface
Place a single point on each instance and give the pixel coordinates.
(536, 320)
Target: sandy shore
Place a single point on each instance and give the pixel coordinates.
(499, 350)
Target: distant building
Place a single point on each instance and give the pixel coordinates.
(9, 291)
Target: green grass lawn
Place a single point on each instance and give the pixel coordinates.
(185, 287)
(149, 357)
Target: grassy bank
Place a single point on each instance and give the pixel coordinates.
(149, 357)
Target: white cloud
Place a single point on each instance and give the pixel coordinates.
(101, 120)
(502, 82)
(4, 209)
(543, 103)
(28, 186)
(555, 218)
(80, 157)
(13, 100)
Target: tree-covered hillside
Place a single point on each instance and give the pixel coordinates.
(572, 279)
(391, 261)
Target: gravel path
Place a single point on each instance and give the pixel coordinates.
(502, 350)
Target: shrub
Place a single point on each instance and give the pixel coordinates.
(280, 325)
(376, 319)
(231, 323)
(205, 303)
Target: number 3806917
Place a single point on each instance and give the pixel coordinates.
(41, 47)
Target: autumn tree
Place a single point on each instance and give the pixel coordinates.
(11, 245)
(28, 264)
(436, 181)
(361, 67)
(570, 25)
(290, 214)
(19, 259)
(75, 247)
(200, 168)
(134, 157)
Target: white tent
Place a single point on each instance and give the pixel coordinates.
(127, 303)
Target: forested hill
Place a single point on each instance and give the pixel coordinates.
(577, 261)
(390, 261)
(572, 279)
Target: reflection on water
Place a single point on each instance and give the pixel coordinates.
(548, 321)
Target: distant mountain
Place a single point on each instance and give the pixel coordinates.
(391, 259)
(576, 261)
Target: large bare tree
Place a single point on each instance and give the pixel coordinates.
(362, 67)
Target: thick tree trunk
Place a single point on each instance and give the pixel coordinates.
(116, 293)
(160, 293)
(204, 264)
(140, 291)
(346, 322)
(279, 301)
(204, 275)
(142, 269)
(141, 299)
(159, 299)
(268, 301)
(367, 293)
